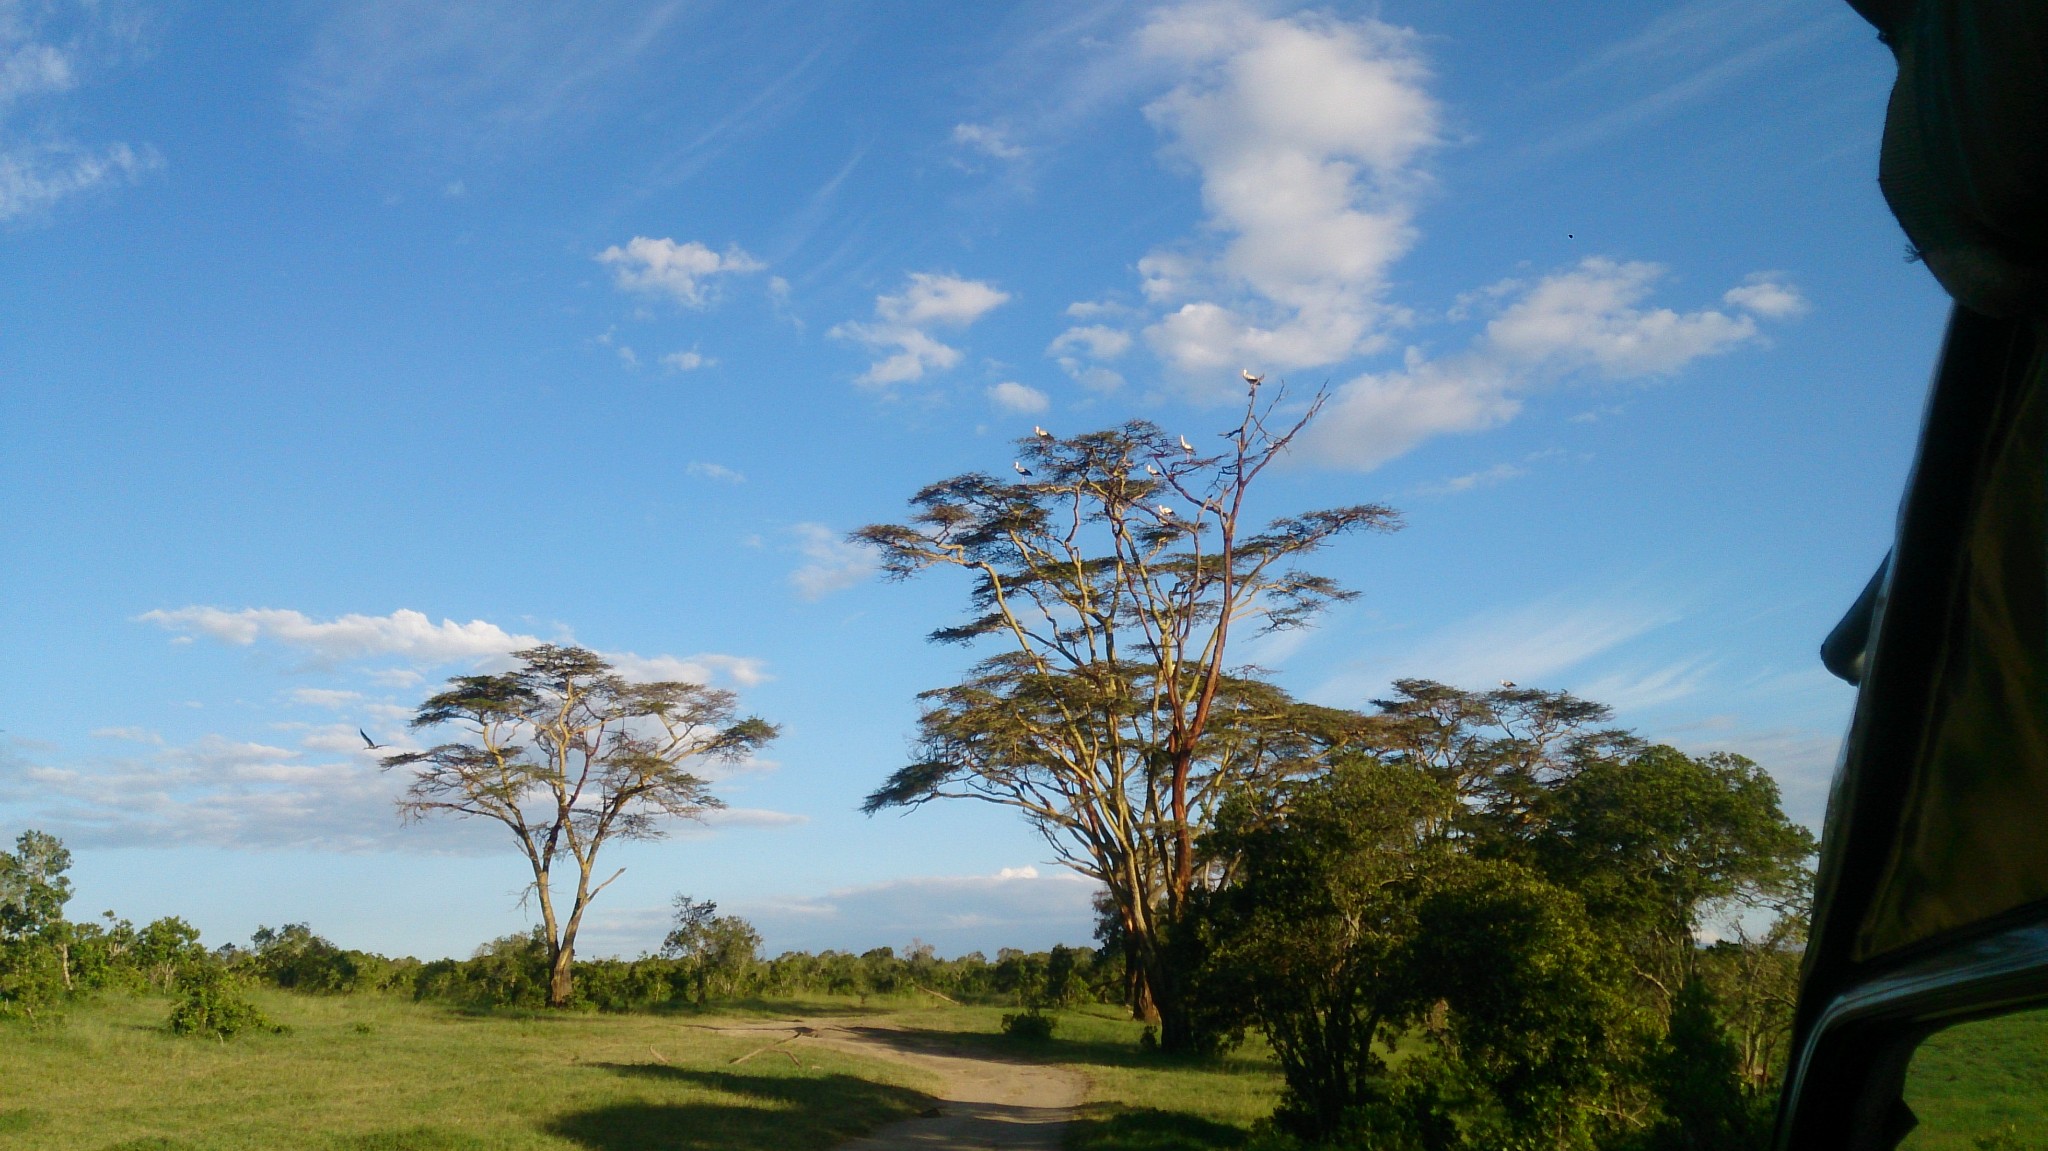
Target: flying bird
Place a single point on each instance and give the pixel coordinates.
(372, 744)
(1041, 433)
(1253, 380)
(1186, 446)
(1021, 469)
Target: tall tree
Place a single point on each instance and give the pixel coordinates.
(1116, 569)
(569, 756)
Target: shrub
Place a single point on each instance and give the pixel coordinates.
(213, 1007)
(1033, 1026)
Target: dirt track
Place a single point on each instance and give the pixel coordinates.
(985, 1102)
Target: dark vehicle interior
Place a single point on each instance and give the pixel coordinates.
(1932, 902)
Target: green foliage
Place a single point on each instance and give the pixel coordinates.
(212, 1006)
(1696, 1073)
(1030, 1026)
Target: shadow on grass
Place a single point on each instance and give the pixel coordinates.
(1089, 1052)
(780, 1113)
(1108, 1127)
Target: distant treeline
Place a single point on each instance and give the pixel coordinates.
(513, 972)
(48, 961)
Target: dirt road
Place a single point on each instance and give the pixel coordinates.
(985, 1101)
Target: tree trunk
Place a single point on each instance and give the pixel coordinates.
(560, 974)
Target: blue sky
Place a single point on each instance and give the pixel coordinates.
(344, 347)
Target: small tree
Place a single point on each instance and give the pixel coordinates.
(722, 950)
(1115, 571)
(568, 755)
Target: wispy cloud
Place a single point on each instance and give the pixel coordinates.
(833, 563)
(46, 52)
(1535, 643)
(1015, 907)
(901, 331)
(717, 473)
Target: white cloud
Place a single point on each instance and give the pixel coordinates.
(1768, 295)
(718, 473)
(1012, 396)
(47, 50)
(987, 139)
(1591, 318)
(928, 300)
(1588, 318)
(1484, 478)
(128, 734)
(1629, 691)
(746, 671)
(834, 563)
(325, 697)
(1306, 131)
(403, 633)
(1532, 644)
(1015, 907)
(679, 271)
(688, 361)
(1096, 341)
(411, 635)
(1075, 347)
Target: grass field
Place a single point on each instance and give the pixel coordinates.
(365, 1073)
(1982, 1086)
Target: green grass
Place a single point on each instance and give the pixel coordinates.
(365, 1073)
(1982, 1085)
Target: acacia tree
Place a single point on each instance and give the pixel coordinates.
(569, 756)
(1115, 570)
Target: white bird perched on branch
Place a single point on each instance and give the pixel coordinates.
(1041, 433)
(1253, 380)
(1165, 513)
(1186, 446)
(1150, 470)
(1508, 683)
(1021, 469)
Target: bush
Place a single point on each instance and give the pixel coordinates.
(1033, 1026)
(213, 1007)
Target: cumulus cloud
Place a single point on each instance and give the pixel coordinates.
(1593, 318)
(833, 563)
(1080, 350)
(405, 633)
(683, 272)
(688, 361)
(900, 332)
(1768, 295)
(1306, 132)
(1024, 399)
(47, 51)
(410, 635)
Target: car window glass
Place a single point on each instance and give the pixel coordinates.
(1982, 1086)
